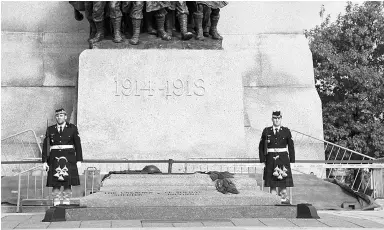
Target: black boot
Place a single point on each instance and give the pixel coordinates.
(150, 29)
(213, 30)
(160, 28)
(169, 24)
(206, 14)
(117, 36)
(206, 32)
(185, 35)
(136, 24)
(198, 17)
(148, 18)
(99, 32)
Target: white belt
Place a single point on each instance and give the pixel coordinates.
(277, 150)
(62, 147)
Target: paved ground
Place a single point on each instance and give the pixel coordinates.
(328, 219)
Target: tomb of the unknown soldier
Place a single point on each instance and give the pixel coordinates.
(165, 108)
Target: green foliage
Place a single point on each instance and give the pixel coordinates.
(348, 61)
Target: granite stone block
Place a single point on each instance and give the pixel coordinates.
(22, 69)
(36, 225)
(247, 222)
(181, 198)
(17, 100)
(187, 224)
(164, 103)
(125, 223)
(9, 224)
(20, 218)
(365, 223)
(173, 180)
(21, 42)
(277, 222)
(307, 223)
(61, 68)
(66, 224)
(180, 213)
(156, 224)
(95, 224)
(224, 223)
(337, 222)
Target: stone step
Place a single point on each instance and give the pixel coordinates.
(197, 179)
(24, 209)
(186, 213)
(177, 198)
(172, 188)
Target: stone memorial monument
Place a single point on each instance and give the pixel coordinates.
(166, 99)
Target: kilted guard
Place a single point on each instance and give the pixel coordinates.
(62, 156)
(276, 150)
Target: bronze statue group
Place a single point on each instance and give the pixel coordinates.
(132, 14)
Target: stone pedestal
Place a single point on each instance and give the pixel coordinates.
(176, 197)
(148, 41)
(161, 104)
(168, 190)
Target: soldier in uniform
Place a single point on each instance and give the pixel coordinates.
(62, 156)
(276, 150)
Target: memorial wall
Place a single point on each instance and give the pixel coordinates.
(40, 69)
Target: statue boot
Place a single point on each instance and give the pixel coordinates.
(99, 36)
(160, 28)
(206, 31)
(198, 17)
(213, 30)
(207, 13)
(136, 24)
(150, 28)
(117, 36)
(92, 29)
(168, 24)
(185, 35)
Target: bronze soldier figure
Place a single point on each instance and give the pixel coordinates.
(95, 10)
(214, 17)
(61, 157)
(182, 14)
(277, 151)
(159, 7)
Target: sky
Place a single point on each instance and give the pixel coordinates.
(334, 8)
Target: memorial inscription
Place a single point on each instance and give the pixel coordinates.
(178, 87)
(161, 104)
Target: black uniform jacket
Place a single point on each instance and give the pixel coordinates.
(280, 140)
(69, 136)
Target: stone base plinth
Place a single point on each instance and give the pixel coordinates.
(148, 41)
(180, 213)
(167, 190)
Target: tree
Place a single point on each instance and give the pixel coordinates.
(348, 61)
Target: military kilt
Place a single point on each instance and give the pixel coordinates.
(62, 168)
(277, 163)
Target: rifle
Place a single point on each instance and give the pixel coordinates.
(266, 144)
(47, 138)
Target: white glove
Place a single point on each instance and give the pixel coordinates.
(45, 166)
(78, 164)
